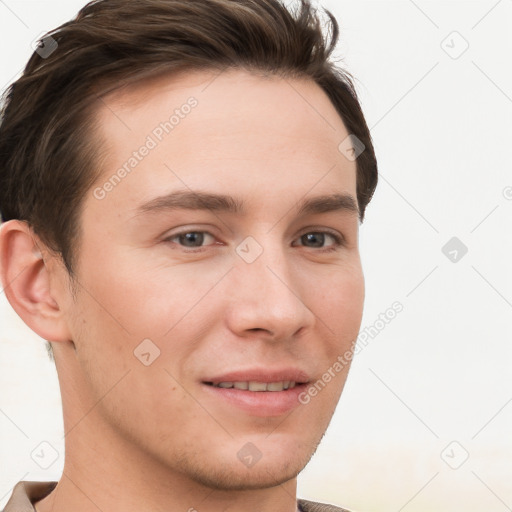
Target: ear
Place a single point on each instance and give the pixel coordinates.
(26, 280)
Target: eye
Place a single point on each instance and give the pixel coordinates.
(317, 239)
(190, 239)
(312, 239)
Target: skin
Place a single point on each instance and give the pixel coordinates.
(154, 431)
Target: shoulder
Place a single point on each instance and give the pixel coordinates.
(312, 506)
(26, 493)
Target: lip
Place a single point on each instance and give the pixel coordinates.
(259, 403)
(261, 375)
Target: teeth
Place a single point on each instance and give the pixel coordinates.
(258, 386)
(275, 386)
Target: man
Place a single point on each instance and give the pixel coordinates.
(182, 183)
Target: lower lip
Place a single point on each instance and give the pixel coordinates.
(260, 403)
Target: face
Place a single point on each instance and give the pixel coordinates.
(253, 285)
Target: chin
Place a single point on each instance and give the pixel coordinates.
(241, 478)
(225, 472)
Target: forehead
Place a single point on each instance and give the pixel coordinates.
(232, 129)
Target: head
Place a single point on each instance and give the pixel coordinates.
(150, 121)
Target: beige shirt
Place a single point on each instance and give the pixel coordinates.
(26, 493)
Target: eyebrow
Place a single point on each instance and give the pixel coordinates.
(196, 200)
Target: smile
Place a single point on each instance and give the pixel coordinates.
(256, 386)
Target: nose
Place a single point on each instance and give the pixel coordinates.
(267, 299)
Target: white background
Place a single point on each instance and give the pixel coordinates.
(434, 385)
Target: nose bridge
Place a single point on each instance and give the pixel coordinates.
(266, 294)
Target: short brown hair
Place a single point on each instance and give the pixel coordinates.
(49, 146)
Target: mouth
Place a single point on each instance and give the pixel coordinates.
(260, 393)
(256, 386)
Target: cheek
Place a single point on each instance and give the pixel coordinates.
(126, 302)
(116, 378)
(339, 305)
(338, 302)
(148, 295)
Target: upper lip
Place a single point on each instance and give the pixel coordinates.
(261, 375)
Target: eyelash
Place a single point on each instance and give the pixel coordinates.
(338, 241)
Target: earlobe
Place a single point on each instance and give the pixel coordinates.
(25, 277)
